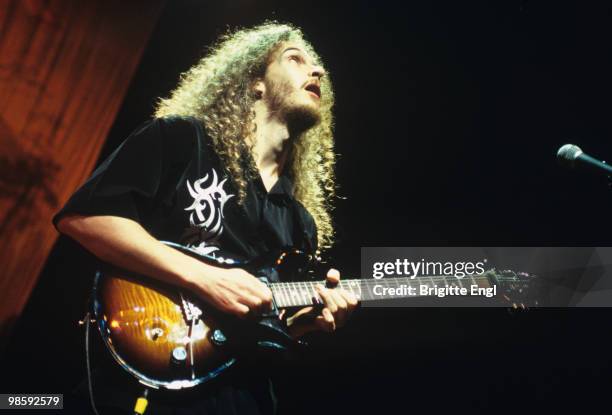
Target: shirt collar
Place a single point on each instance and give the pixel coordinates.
(283, 188)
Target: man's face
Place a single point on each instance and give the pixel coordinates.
(292, 86)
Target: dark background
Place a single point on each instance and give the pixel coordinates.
(448, 118)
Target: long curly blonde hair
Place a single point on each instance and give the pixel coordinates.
(218, 92)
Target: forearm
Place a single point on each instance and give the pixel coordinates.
(126, 244)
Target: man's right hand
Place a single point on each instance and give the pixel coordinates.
(126, 244)
(236, 292)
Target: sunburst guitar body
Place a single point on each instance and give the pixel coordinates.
(169, 339)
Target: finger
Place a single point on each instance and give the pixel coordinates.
(267, 300)
(263, 292)
(266, 293)
(255, 304)
(251, 283)
(240, 310)
(256, 288)
(328, 300)
(326, 321)
(342, 311)
(350, 299)
(333, 277)
(305, 313)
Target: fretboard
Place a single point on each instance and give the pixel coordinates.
(304, 293)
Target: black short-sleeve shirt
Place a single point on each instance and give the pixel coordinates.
(167, 177)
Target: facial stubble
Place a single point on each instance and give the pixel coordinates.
(299, 116)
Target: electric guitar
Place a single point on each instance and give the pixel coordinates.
(168, 339)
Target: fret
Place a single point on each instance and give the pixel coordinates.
(485, 282)
(312, 293)
(315, 290)
(351, 286)
(481, 281)
(364, 288)
(386, 280)
(371, 295)
(287, 288)
(300, 291)
(370, 287)
(397, 283)
(403, 282)
(276, 296)
(312, 290)
(344, 284)
(306, 294)
(412, 283)
(289, 294)
(286, 294)
(281, 289)
(389, 283)
(393, 283)
(287, 291)
(367, 292)
(295, 295)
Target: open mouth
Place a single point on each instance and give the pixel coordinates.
(314, 89)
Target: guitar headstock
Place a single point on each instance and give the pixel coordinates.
(516, 288)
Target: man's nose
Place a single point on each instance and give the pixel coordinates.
(317, 71)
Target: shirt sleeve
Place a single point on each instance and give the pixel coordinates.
(138, 175)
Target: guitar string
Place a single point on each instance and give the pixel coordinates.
(295, 289)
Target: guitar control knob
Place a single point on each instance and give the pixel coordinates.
(218, 338)
(156, 333)
(179, 356)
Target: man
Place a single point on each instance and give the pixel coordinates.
(239, 159)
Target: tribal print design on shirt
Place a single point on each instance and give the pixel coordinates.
(209, 198)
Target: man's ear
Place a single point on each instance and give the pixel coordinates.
(259, 89)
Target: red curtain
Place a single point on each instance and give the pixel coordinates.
(65, 66)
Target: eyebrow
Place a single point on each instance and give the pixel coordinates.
(292, 48)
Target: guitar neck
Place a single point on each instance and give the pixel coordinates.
(303, 293)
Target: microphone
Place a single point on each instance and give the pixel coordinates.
(570, 155)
